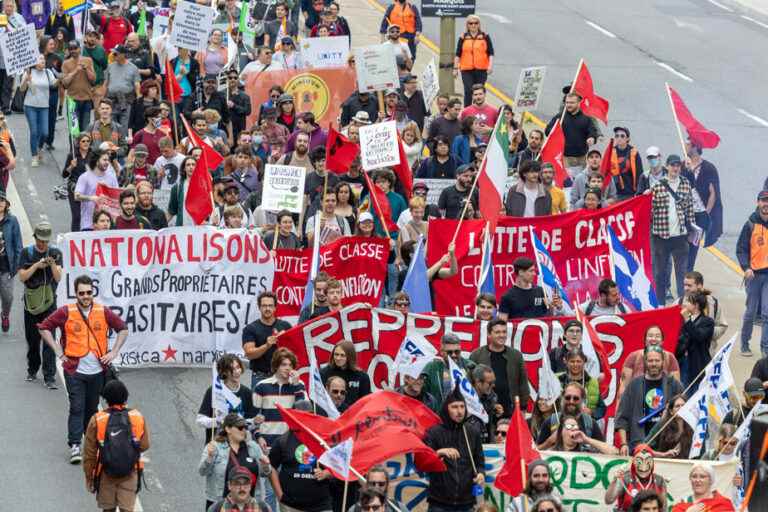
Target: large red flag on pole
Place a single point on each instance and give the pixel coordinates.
(519, 451)
(198, 200)
(697, 132)
(591, 104)
(173, 90)
(378, 200)
(552, 152)
(212, 157)
(403, 170)
(339, 152)
(606, 166)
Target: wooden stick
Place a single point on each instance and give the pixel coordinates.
(469, 449)
(175, 124)
(677, 122)
(344, 499)
(380, 96)
(378, 210)
(274, 242)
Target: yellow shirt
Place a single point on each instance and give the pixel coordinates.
(559, 204)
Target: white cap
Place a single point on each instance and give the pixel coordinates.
(364, 217)
(653, 151)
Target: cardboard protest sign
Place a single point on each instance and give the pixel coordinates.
(376, 68)
(20, 49)
(325, 52)
(529, 87)
(430, 84)
(378, 145)
(192, 24)
(186, 293)
(359, 263)
(577, 241)
(109, 199)
(283, 188)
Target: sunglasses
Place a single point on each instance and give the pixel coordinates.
(502, 433)
(572, 398)
(339, 392)
(240, 427)
(376, 484)
(453, 352)
(402, 303)
(571, 426)
(85, 294)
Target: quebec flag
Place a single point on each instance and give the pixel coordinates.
(548, 278)
(485, 283)
(630, 278)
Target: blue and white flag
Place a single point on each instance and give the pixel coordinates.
(472, 399)
(309, 290)
(485, 283)
(317, 392)
(548, 278)
(223, 399)
(550, 387)
(631, 279)
(339, 458)
(414, 354)
(416, 284)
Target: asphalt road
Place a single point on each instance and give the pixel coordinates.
(709, 52)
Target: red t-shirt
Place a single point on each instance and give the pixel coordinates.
(115, 30)
(151, 140)
(486, 114)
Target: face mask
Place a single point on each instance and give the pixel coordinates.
(653, 162)
(213, 126)
(257, 139)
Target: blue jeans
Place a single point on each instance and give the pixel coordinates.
(37, 119)
(53, 106)
(83, 391)
(83, 112)
(757, 305)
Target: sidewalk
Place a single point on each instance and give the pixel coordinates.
(722, 275)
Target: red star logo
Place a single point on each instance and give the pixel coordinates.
(169, 352)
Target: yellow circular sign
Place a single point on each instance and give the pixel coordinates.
(310, 93)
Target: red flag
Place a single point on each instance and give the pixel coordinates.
(173, 90)
(552, 152)
(605, 165)
(379, 202)
(591, 104)
(210, 157)
(339, 152)
(519, 451)
(403, 170)
(382, 425)
(697, 133)
(600, 351)
(198, 200)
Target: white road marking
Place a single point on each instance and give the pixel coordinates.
(674, 71)
(753, 20)
(496, 17)
(685, 24)
(721, 6)
(600, 29)
(758, 120)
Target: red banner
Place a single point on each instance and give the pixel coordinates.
(359, 263)
(320, 91)
(378, 333)
(577, 241)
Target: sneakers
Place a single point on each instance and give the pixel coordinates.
(6, 322)
(35, 162)
(75, 455)
(30, 377)
(746, 353)
(51, 384)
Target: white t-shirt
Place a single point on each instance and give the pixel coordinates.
(171, 168)
(530, 201)
(675, 229)
(401, 47)
(258, 67)
(89, 364)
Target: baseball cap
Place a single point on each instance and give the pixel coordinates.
(362, 117)
(653, 151)
(239, 472)
(269, 112)
(621, 129)
(229, 183)
(140, 149)
(572, 323)
(365, 216)
(73, 45)
(762, 195)
(420, 184)
(408, 78)
(211, 76)
(287, 40)
(450, 339)
(673, 159)
(754, 387)
(464, 168)
(119, 49)
(44, 231)
(391, 91)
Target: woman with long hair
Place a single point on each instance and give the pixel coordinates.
(517, 139)
(179, 192)
(53, 62)
(542, 410)
(695, 338)
(470, 138)
(74, 167)
(215, 55)
(37, 81)
(343, 364)
(412, 144)
(346, 203)
(675, 440)
(570, 438)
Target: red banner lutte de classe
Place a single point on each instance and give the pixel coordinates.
(576, 240)
(378, 333)
(359, 263)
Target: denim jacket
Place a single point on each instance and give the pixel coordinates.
(215, 471)
(12, 239)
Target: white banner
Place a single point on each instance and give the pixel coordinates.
(430, 84)
(20, 49)
(376, 68)
(529, 87)
(325, 52)
(283, 188)
(191, 25)
(186, 293)
(378, 145)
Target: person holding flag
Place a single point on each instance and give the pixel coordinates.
(579, 130)
(225, 395)
(437, 376)
(538, 485)
(525, 299)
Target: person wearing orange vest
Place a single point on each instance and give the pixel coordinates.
(84, 353)
(626, 164)
(406, 16)
(752, 253)
(111, 491)
(474, 57)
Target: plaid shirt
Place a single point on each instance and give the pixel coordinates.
(660, 207)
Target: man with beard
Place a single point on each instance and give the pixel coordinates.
(231, 194)
(438, 381)
(211, 98)
(319, 304)
(239, 497)
(99, 171)
(414, 388)
(573, 398)
(528, 198)
(484, 381)
(200, 125)
(128, 218)
(452, 199)
(448, 125)
(556, 194)
(299, 157)
(138, 56)
(147, 208)
(537, 485)
(332, 226)
(644, 398)
(535, 141)
(483, 112)
(260, 337)
(139, 169)
(579, 131)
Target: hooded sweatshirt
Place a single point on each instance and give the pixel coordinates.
(453, 487)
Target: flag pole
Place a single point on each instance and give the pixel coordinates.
(344, 499)
(753, 480)
(70, 125)
(372, 194)
(578, 70)
(325, 445)
(677, 122)
(483, 258)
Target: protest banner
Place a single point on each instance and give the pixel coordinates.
(73, 7)
(529, 87)
(577, 241)
(378, 145)
(283, 188)
(191, 25)
(20, 49)
(320, 91)
(109, 199)
(359, 263)
(378, 334)
(160, 25)
(325, 52)
(186, 293)
(580, 479)
(430, 85)
(376, 68)
(434, 187)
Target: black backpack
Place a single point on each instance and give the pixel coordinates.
(119, 455)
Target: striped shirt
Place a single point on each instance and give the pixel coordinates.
(266, 395)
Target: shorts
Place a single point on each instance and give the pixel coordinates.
(117, 492)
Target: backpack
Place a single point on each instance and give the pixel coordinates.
(119, 455)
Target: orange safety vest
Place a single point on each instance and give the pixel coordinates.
(615, 171)
(404, 18)
(758, 248)
(137, 429)
(85, 336)
(474, 52)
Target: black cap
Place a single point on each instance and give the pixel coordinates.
(464, 168)
(754, 387)
(572, 323)
(211, 76)
(621, 129)
(119, 49)
(239, 472)
(762, 195)
(674, 159)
